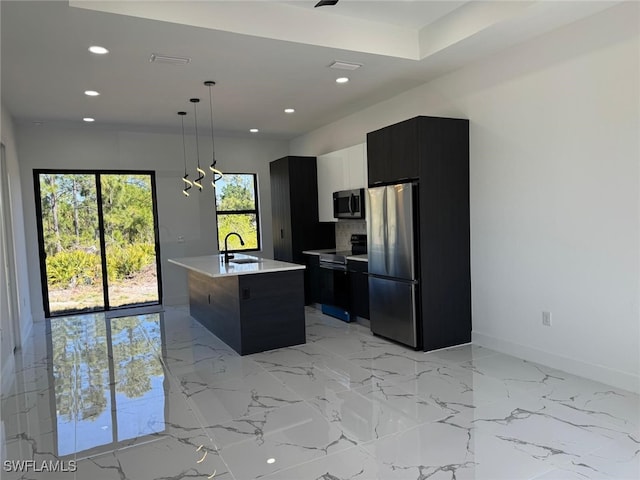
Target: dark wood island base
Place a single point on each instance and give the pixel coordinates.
(251, 313)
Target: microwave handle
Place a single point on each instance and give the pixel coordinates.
(351, 203)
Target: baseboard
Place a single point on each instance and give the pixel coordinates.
(8, 374)
(599, 373)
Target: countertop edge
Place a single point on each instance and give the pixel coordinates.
(214, 274)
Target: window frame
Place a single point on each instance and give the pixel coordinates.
(255, 211)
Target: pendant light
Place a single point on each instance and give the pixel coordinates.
(216, 174)
(187, 183)
(201, 173)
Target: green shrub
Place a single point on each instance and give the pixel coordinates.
(76, 267)
(79, 267)
(124, 262)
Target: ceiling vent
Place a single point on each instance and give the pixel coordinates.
(345, 65)
(159, 58)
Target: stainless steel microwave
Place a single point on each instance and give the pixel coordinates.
(348, 203)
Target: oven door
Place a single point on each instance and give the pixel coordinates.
(334, 288)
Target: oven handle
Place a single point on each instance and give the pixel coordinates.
(341, 267)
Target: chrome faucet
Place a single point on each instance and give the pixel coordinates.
(226, 248)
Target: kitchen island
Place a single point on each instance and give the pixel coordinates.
(252, 304)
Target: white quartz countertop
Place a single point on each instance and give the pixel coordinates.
(214, 266)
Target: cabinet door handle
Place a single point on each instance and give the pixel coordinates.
(282, 233)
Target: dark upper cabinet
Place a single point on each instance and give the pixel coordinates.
(294, 204)
(281, 208)
(393, 154)
(434, 152)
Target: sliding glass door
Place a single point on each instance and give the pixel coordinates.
(98, 240)
(128, 224)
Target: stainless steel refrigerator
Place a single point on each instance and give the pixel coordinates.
(393, 278)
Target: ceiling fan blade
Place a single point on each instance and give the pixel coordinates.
(323, 3)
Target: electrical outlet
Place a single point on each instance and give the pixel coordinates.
(546, 319)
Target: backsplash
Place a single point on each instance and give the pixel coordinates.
(344, 230)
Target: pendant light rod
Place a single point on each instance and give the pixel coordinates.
(216, 174)
(185, 179)
(201, 172)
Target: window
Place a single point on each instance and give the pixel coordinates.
(237, 211)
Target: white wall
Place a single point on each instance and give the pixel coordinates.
(555, 191)
(86, 147)
(19, 248)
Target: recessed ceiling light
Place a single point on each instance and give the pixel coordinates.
(254, 130)
(342, 79)
(93, 93)
(89, 119)
(98, 50)
(289, 110)
(271, 460)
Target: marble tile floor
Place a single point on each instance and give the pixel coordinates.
(157, 396)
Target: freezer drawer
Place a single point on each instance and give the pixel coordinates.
(392, 309)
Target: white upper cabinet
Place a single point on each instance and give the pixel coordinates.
(355, 166)
(344, 169)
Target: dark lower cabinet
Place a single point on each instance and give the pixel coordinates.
(250, 313)
(358, 288)
(348, 290)
(312, 280)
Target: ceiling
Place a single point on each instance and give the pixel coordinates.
(264, 56)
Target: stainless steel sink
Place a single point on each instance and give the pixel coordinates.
(244, 260)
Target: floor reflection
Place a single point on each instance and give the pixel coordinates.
(108, 380)
(158, 397)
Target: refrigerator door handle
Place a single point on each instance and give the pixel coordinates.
(385, 215)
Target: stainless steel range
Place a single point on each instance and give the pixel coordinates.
(335, 280)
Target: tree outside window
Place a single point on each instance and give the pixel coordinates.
(237, 211)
